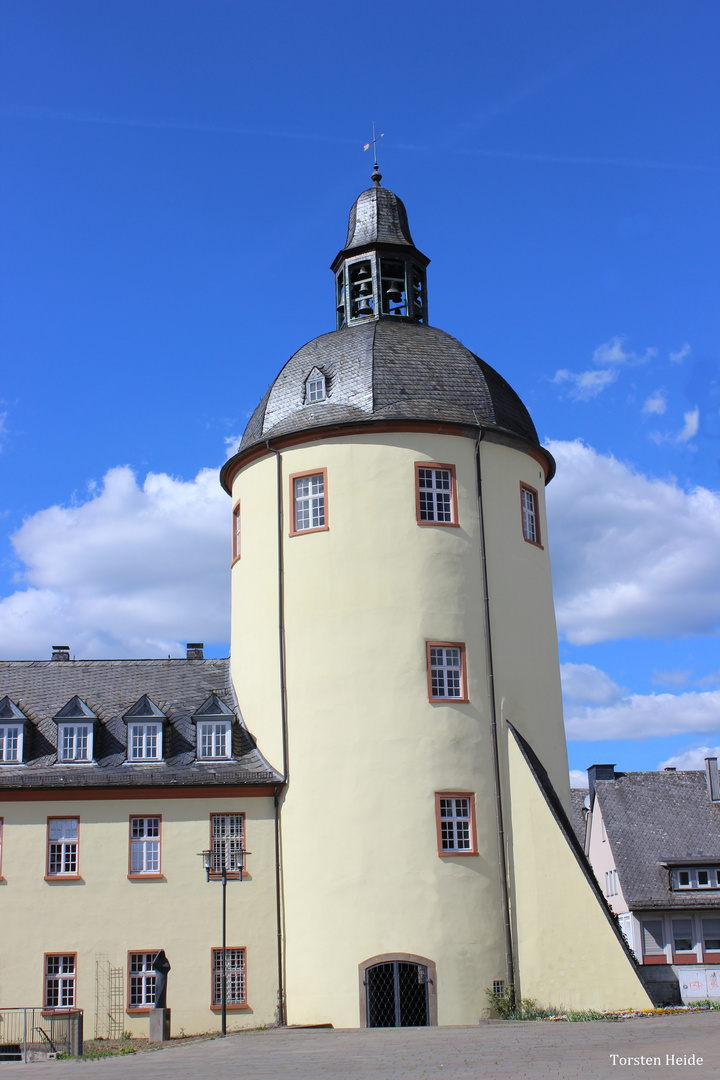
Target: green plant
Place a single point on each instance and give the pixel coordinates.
(126, 1035)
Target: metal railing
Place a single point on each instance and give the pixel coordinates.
(29, 1034)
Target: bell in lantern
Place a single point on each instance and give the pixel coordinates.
(394, 293)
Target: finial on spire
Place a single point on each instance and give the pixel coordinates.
(376, 174)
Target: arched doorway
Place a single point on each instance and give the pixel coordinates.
(397, 990)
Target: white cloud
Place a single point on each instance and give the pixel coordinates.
(675, 677)
(578, 778)
(691, 759)
(678, 357)
(656, 403)
(631, 556)
(643, 716)
(608, 359)
(692, 423)
(586, 683)
(231, 444)
(586, 384)
(134, 571)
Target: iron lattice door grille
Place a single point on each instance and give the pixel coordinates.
(397, 995)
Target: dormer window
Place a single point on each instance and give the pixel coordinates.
(12, 732)
(695, 877)
(213, 722)
(145, 731)
(76, 724)
(315, 389)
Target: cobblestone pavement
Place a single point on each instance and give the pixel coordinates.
(509, 1051)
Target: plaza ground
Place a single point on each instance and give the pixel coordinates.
(497, 1051)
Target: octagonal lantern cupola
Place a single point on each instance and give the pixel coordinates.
(379, 272)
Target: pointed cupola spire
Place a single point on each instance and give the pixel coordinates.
(379, 272)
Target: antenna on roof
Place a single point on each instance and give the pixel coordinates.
(376, 175)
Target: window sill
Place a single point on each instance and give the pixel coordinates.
(233, 875)
(144, 761)
(456, 854)
(305, 532)
(146, 877)
(449, 700)
(138, 1010)
(229, 1008)
(235, 560)
(439, 524)
(534, 543)
(62, 877)
(65, 1010)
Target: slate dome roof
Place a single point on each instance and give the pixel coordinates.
(388, 369)
(378, 216)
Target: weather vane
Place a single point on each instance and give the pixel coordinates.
(375, 139)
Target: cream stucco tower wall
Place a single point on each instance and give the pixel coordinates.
(330, 631)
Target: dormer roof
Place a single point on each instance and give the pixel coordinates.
(144, 709)
(76, 709)
(9, 711)
(212, 708)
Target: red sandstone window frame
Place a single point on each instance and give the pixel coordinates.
(70, 978)
(216, 1005)
(139, 1010)
(452, 853)
(454, 524)
(537, 542)
(62, 876)
(294, 531)
(140, 875)
(236, 538)
(463, 698)
(233, 874)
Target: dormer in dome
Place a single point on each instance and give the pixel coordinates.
(379, 272)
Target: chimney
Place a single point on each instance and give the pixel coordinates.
(60, 652)
(599, 772)
(195, 650)
(711, 775)
(670, 768)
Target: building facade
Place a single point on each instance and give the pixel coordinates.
(386, 739)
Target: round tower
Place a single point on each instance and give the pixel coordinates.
(392, 612)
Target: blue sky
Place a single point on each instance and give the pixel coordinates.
(177, 180)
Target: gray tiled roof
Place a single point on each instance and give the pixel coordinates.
(41, 688)
(378, 216)
(384, 370)
(577, 800)
(652, 817)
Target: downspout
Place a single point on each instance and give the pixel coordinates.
(509, 960)
(283, 719)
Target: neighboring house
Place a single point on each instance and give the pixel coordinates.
(653, 841)
(394, 654)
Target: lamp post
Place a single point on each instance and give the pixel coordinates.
(223, 862)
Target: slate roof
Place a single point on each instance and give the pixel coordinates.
(653, 817)
(42, 688)
(577, 800)
(378, 216)
(389, 369)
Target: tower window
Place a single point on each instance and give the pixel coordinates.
(529, 509)
(340, 298)
(315, 388)
(446, 671)
(392, 287)
(455, 819)
(362, 295)
(236, 532)
(435, 494)
(308, 493)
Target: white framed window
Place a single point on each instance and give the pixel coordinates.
(611, 883)
(145, 742)
(701, 877)
(711, 934)
(60, 975)
(455, 819)
(214, 740)
(446, 671)
(144, 845)
(75, 742)
(227, 842)
(308, 492)
(235, 978)
(63, 844)
(435, 494)
(529, 508)
(141, 980)
(683, 938)
(315, 388)
(653, 937)
(11, 743)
